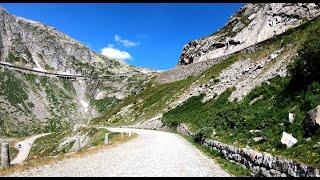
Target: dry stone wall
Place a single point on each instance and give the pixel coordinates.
(261, 164)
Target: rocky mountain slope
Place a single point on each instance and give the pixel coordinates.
(252, 24)
(32, 103)
(281, 27)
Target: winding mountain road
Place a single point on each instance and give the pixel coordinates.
(152, 153)
(24, 148)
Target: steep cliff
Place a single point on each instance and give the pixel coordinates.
(32, 102)
(252, 24)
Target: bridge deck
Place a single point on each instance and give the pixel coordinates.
(59, 75)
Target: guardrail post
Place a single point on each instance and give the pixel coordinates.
(5, 156)
(77, 144)
(106, 138)
(121, 135)
(130, 134)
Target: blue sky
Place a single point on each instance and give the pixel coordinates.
(149, 35)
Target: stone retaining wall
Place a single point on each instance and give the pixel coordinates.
(261, 164)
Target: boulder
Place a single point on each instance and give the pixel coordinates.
(214, 133)
(255, 99)
(314, 116)
(259, 139)
(272, 56)
(288, 139)
(183, 129)
(291, 117)
(254, 131)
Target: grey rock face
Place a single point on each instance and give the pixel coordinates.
(38, 46)
(252, 24)
(314, 115)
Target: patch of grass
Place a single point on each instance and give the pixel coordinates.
(48, 68)
(153, 100)
(233, 120)
(14, 90)
(12, 59)
(67, 84)
(103, 105)
(12, 153)
(214, 71)
(49, 145)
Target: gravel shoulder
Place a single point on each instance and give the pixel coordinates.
(152, 153)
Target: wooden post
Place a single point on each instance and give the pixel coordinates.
(106, 138)
(77, 144)
(5, 156)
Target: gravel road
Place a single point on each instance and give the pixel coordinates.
(152, 153)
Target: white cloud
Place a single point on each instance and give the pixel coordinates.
(125, 42)
(113, 53)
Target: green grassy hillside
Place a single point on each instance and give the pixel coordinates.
(230, 122)
(155, 97)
